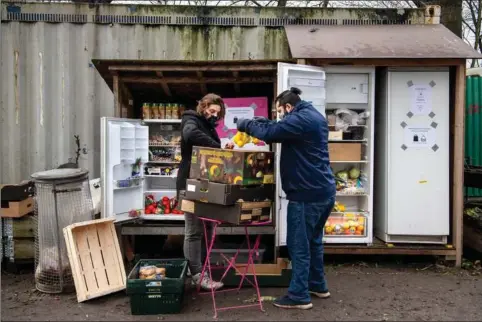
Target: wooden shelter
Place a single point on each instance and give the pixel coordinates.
(134, 82)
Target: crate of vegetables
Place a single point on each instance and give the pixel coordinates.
(163, 205)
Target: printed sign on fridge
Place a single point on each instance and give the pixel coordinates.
(419, 137)
(421, 99)
(238, 108)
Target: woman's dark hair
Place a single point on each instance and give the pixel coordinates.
(291, 96)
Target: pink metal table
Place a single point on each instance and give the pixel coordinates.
(232, 265)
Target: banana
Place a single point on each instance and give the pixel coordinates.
(238, 179)
(212, 169)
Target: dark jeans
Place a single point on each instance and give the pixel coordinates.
(306, 221)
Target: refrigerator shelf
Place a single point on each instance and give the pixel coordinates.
(358, 162)
(348, 141)
(351, 194)
(167, 121)
(164, 145)
(160, 191)
(127, 160)
(128, 183)
(347, 240)
(164, 162)
(350, 214)
(163, 217)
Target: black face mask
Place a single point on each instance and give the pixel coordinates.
(213, 120)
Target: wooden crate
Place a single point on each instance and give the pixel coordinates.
(16, 249)
(95, 258)
(23, 227)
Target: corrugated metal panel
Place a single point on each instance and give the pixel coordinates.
(51, 91)
(473, 126)
(207, 15)
(389, 41)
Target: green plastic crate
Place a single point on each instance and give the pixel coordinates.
(166, 296)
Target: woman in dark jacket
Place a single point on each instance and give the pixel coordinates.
(198, 129)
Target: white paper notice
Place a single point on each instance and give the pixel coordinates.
(419, 137)
(421, 99)
(235, 113)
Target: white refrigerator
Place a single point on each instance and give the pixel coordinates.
(122, 142)
(412, 177)
(330, 89)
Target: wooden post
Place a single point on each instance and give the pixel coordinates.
(117, 97)
(128, 100)
(458, 166)
(301, 61)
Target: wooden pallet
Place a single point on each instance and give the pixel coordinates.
(95, 258)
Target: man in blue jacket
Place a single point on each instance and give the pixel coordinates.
(309, 184)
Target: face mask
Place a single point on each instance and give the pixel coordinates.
(283, 114)
(213, 120)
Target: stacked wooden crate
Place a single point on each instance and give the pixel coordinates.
(18, 225)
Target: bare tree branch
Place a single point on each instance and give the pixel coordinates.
(466, 24)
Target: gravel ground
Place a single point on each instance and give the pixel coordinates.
(366, 292)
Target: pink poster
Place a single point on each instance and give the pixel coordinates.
(238, 108)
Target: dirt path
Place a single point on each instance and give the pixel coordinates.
(359, 294)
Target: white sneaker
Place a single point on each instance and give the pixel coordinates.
(206, 283)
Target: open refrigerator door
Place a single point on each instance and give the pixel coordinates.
(311, 81)
(124, 148)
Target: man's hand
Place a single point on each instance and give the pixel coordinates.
(242, 124)
(229, 145)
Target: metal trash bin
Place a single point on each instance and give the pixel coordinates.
(62, 197)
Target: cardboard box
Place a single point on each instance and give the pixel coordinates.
(331, 118)
(345, 151)
(335, 135)
(239, 167)
(227, 194)
(237, 214)
(16, 209)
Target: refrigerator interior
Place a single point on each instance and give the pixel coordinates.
(412, 181)
(330, 89)
(164, 159)
(122, 142)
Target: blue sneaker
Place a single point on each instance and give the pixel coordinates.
(286, 303)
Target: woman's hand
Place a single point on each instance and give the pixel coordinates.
(229, 145)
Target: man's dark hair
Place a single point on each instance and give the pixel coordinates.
(291, 96)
